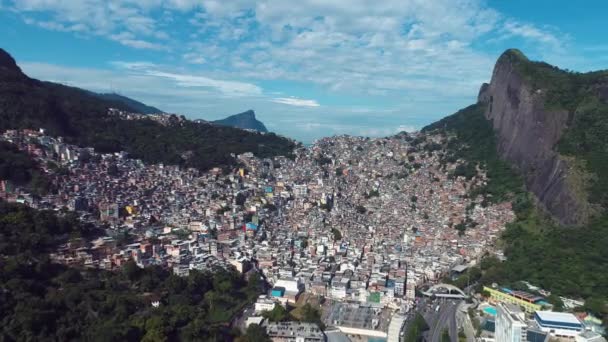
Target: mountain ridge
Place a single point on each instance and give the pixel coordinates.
(83, 119)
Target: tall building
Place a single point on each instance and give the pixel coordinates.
(399, 287)
(300, 190)
(510, 323)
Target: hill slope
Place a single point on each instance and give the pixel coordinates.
(551, 126)
(245, 120)
(83, 119)
(137, 106)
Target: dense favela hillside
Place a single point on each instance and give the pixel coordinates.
(84, 118)
(551, 126)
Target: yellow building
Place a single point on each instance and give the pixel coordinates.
(502, 297)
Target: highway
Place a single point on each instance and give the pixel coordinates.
(437, 319)
(445, 318)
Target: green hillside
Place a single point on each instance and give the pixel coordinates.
(43, 301)
(570, 261)
(19, 169)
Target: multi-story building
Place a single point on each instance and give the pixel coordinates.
(399, 288)
(558, 324)
(510, 323)
(521, 299)
(264, 304)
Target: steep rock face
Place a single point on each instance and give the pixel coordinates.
(527, 133)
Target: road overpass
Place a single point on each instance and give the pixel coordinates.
(453, 292)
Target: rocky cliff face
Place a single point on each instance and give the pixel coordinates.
(527, 133)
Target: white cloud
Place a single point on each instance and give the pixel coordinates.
(225, 87)
(410, 57)
(293, 101)
(531, 32)
(128, 39)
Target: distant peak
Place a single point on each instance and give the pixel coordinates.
(8, 62)
(245, 120)
(513, 55)
(249, 113)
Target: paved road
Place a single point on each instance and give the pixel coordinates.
(444, 318)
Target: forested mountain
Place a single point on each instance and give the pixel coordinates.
(83, 119)
(245, 120)
(544, 130)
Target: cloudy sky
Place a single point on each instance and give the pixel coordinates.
(309, 68)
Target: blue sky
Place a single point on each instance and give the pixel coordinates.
(309, 68)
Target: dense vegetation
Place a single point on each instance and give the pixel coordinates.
(305, 313)
(41, 301)
(567, 261)
(473, 143)
(19, 169)
(82, 118)
(416, 328)
(563, 89)
(587, 140)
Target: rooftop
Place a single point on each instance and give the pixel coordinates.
(289, 329)
(560, 317)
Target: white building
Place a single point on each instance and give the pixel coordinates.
(510, 324)
(264, 304)
(289, 284)
(558, 324)
(300, 190)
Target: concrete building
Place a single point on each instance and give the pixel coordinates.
(395, 328)
(295, 332)
(528, 304)
(289, 284)
(264, 304)
(510, 324)
(558, 324)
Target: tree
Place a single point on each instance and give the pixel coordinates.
(277, 314)
(311, 314)
(417, 327)
(337, 234)
(558, 303)
(131, 270)
(255, 333)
